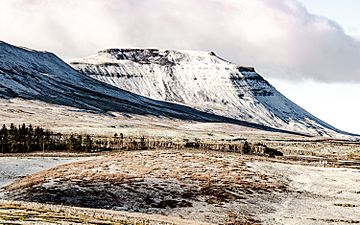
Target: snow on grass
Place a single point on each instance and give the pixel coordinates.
(72, 120)
(320, 195)
(196, 185)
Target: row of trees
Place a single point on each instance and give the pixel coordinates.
(24, 139)
(79, 144)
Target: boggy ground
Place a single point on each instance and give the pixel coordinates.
(197, 185)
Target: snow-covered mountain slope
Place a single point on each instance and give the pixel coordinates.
(42, 76)
(204, 81)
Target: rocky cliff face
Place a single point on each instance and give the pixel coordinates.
(204, 81)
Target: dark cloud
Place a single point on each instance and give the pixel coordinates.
(279, 37)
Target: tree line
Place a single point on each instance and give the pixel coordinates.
(26, 138)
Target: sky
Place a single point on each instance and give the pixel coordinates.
(344, 12)
(308, 49)
(333, 102)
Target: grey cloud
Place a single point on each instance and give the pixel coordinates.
(279, 37)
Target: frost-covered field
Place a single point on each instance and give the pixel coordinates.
(72, 120)
(196, 185)
(317, 196)
(206, 186)
(14, 168)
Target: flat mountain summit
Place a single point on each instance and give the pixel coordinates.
(204, 81)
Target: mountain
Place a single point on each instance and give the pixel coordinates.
(42, 76)
(204, 81)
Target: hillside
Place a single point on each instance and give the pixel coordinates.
(204, 81)
(43, 78)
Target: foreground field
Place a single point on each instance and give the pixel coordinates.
(199, 186)
(15, 212)
(316, 195)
